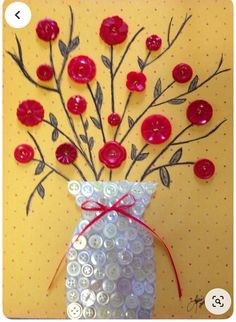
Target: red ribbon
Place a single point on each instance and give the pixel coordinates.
(119, 207)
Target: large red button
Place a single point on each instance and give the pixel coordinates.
(204, 169)
(199, 112)
(156, 129)
(24, 153)
(182, 73)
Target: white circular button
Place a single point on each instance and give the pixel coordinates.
(87, 270)
(136, 246)
(87, 297)
(131, 233)
(99, 273)
(102, 298)
(109, 244)
(110, 190)
(18, 15)
(71, 282)
(74, 311)
(110, 230)
(98, 258)
(96, 285)
(71, 254)
(72, 295)
(117, 300)
(83, 282)
(73, 269)
(112, 271)
(108, 286)
(87, 189)
(95, 241)
(132, 301)
(83, 257)
(89, 313)
(218, 301)
(74, 187)
(125, 257)
(80, 243)
(103, 312)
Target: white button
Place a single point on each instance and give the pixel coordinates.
(137, 191)
(103, 312)
(80, 243)
(99, 273)
(124, 187)
(74, 187)
(98, 258)
(109, 244)
(87, 189)
(83, 282)
(148, 252)
(147, 301)
(87, 270)
(87, 297)
(149, 265)
(110, 230)
(149, 187)
(138, 287)
(150, 277)
(96, 285)
(110, 190)
(138, 208)
(147, 238)
(102, 298)
(108, 286)
(18, 15)
(117, 300)
(127, 271)
(89, 312)
(95, 241)
(72, 295)
(112, 216)
(88, 215)
(121, 242)
(112, 271)
(98, 225)
(71, 254)
(137, 262)
(132, 301)
(112, 257)
(74, 311)
(73, 268)
(83, 257)
(83, 224)
(71, 282)
(136, 246)
(131, 233)
(125, 257)
(218, 301)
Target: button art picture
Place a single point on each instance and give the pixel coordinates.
(117, 159)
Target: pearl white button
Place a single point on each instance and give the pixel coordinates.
(72, 295)
(132, 301)
(83, 282)
(148, 252)
(89, 312)
(71, 254)
(116, 300)
(112, 216)
(74, 187)
(83, 257)
(122, 223)
(71, 282)
(137, 191)
(109, 244)
(87, 189)
(98, 225)
(110, 230)
(136, 246)
(112, 271)
(108, 286)
(104, 312)
(137, 262)
(125, 257)
(95, 241)
(98, 258)
(99, 273)
(83, 224)
(74, 311)
(127, 271)
(102, 298)
(73, 268)
(80, 243)
(131, 233)
(110, 190)
(139, 275)
(87, 297)
(121, 242)
(87, 270)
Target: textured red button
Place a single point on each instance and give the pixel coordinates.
(156, 129)
(44, 72)
(66, 153)
(76, 104)
(182, 73)
(199, 112)
(112, 154)
(24, 153)
(204, 169)
(82, 69)
(153, 42)
(114, 119)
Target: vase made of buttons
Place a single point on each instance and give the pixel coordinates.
(111, 265)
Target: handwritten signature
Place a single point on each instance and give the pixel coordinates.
(195, 303)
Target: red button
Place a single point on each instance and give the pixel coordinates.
(24, 153)
(114, 119)
(66, 153)
(182, 73)
(112, 154)
(204, 169)
(76, 104)
(156, 129)
(199, 112)
(44, 72)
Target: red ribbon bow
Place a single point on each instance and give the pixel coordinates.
(120, 207)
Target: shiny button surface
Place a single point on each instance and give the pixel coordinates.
(121, 242)
(74, 187)
(80, 243)
(112, 216)
(102, 298)
(109, 244)
(138, 287)
(83, 282)
(83, 257)
(124, 286)
(108, 286)
(87, 270)
(95, 241)
(72, 295)
(144, 314)
(71, 282)
(98, 258)
(104, 312)
(112, 271)
(74, 311)
(110, 230)
(87, 189)
(71, 254)
(89, 312)
(132, 301)
(131, 233)
(127, 271)
(110, 190)
(147, 301)
(136, 246)
(73, 268)
(116, 300)
(149, 288)
(96, 285)
(125, 257)
(87, 297)
(99, 273)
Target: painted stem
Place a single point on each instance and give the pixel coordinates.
(135, 159)
(171, 165)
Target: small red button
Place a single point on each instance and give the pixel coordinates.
(199, 112)
(44, 72)
(76, 104)
(156, 129)
(204, 169)
(66, 153)
(182, 73)
(114, 119)
(24, 153)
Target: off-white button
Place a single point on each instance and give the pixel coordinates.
(74, 311)
(113, 271)
(89, 313)
(95, 241)
(80, 243)
(72, 295)
(110, 230)
(218, 301)
(87, 189)
(74, 187)
(87, 270)
(18, 15)
(88, 297)
(73, 268)
(71, 254)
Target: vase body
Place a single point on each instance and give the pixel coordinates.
(111, 267)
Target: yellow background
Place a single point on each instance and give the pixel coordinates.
(195, 217)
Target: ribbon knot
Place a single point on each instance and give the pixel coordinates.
(121, 206)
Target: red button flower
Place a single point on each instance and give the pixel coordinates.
(82, 69)
(44, 72)
(76, 104)
(182, 73)
(30, 112)
(199, 112)
(47, 29)
(156, 129)
(114, 119)
(204, 169)
(153, 42)
(113, 30)
(112, 154)
(24, 153)
(66, 153)
(136, 81)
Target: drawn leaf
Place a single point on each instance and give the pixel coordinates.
(176, 101)
(106, 61)
(130, 121)
(142, 156)
(99, 96)
(39, 168)
(53, 119)
(86, 124)
(41, 190)
(133, 151)
(157, 89)
(193, 84)
(84, 138)
(165, 177)
(91, 143)
(55, 135)
(96, 122)
(74, 44)
(140, 63)
(176, 156)
(62, 47)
